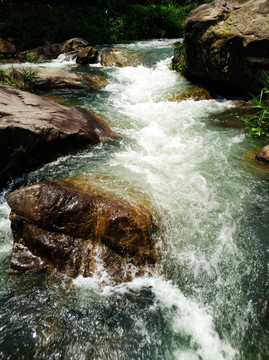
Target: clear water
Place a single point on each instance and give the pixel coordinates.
(209, 297)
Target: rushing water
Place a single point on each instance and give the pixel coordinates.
(209, 297)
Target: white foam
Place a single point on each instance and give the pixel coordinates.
(5, 230)
(63, 61)
(189, 318)
(155, 43)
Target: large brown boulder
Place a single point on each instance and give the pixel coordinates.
(47, 52)
(88, 55)
(57, 79)
(74, 228)
(35, 130)
(73, 46)
(226, 43)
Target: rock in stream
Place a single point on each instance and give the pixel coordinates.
(226, 43)
(35, 130)
(73, 227)
(45, 79)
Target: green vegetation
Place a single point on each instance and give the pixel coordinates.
(259, 122)
(178, 60)
(2, 76)
(28, 76)
(5, 79)
(34, 23)
(30, 57)
(228, 23)
(25, 81)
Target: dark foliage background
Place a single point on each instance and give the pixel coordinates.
(34, 23)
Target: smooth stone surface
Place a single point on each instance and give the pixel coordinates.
(35, 130)
(58, 79)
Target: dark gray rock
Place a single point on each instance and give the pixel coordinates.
(226, 43)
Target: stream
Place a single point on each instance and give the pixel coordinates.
(193, 162)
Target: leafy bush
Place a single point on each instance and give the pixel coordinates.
(28, 76)
(30, 57)
(36, 23)
(259, 122)
(26, 81)
(5, 80)
(178, 45)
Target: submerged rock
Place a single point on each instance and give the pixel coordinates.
(119, 58)
(70, 47)
(57, 79)
(263, 155)
(194, 94)
(226, 43)
(74, 228)
(35, 130)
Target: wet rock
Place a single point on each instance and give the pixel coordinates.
(23, 260)
(119, 58)
(73, 46)
(263, 155)
(75, 229)
(46, 52)
(35, 130)
(194, 94)
(70, 47)
(57, 79)
(226, 43)
(88, 55)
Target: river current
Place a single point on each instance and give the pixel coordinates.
(193, 162)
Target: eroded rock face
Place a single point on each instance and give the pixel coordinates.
(73, 228)
(35, 130)
(226, 43)
(57, 79)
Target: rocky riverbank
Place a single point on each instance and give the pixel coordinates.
(35, 130)
(226, 45)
